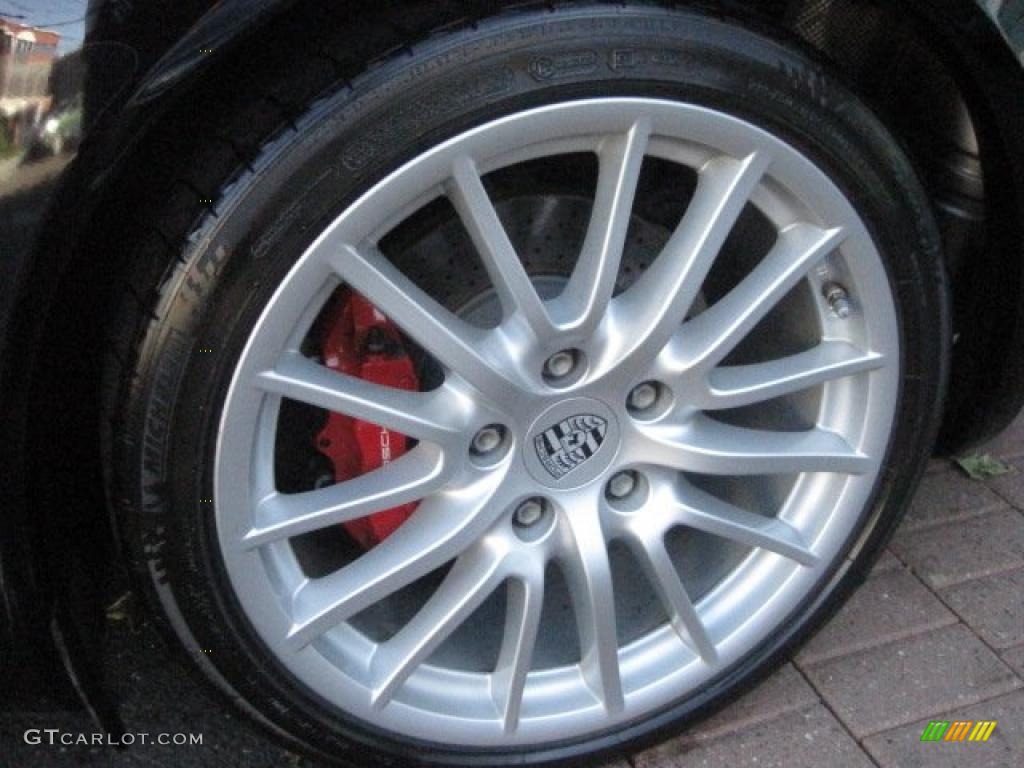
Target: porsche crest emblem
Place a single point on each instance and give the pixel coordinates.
(569, 443)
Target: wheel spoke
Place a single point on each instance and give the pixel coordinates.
(588, 574)
(695, 508)
(442, 527)
(710, 447)
(457, 345)
(648, 546)
(429, 416)
(473, 577)
(581, 305)
(737, 386)
(651, 310)
(410, 478)
(710, 336)
(524, 599)
(511, 282)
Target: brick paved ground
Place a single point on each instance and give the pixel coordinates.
(937, 632)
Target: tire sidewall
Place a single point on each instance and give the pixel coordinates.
(305, 177)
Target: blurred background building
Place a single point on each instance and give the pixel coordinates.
(27, 55)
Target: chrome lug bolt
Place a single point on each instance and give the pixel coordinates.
(529, 513)
(560, 364)
(643, 396)
(488, 439)
(621, 485)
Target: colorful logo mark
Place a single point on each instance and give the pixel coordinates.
(958, 730)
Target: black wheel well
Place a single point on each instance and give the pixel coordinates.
(937, 99)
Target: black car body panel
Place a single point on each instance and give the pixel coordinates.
(138, 61)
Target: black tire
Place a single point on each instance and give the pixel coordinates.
(164, 398)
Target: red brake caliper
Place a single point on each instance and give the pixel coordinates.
(362, 342)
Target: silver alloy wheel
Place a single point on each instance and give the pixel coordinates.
(496, 376)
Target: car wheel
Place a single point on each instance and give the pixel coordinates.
(533, 393)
